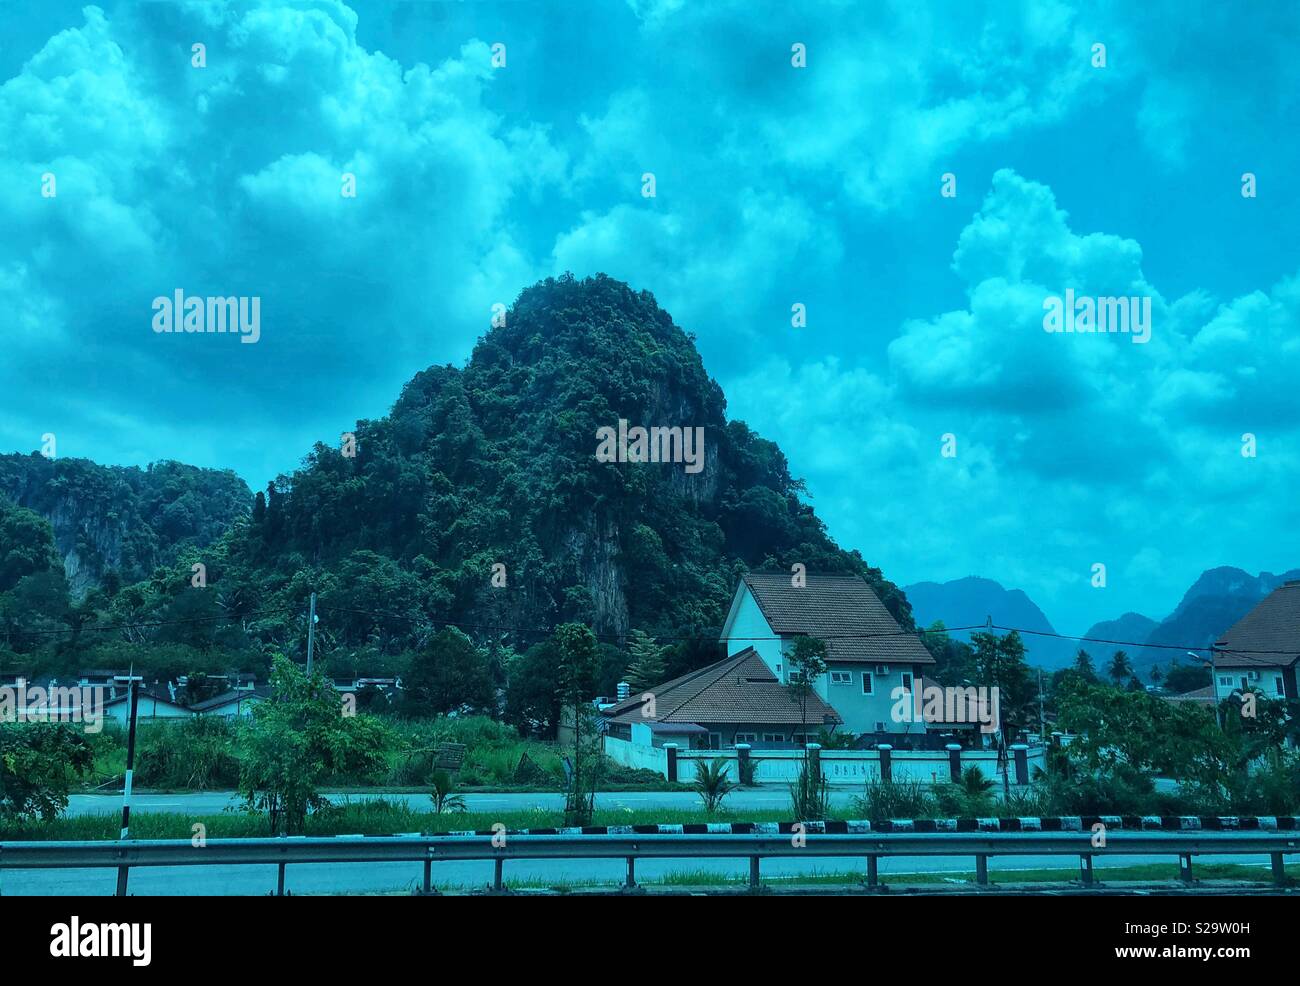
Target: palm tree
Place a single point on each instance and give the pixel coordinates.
(444, 796)
(1119, 668)
(712, 783)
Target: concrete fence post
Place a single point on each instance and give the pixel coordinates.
(671, 750)
(1021, 752)
(954, 761)
(742, 764)
(886, 762)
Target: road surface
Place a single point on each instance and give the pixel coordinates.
(355, 878)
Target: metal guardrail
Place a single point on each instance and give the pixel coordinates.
(428, 849)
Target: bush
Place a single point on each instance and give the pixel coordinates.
(883, 800)
(197, 754)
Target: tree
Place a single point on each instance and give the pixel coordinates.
(297, 739)
(1136, 730)
(443, 794)
(647, 666)
(807, 664)
(37, 764)
(712, 783)
(1083, 665)
(575, 687)
(1000, 663)
(1183, 678)
(1156, 675)
(449, 674)
(1119, 669)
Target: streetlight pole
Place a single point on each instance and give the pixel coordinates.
(132, 683)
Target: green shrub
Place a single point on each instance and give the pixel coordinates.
(883, 800)
(196, 754)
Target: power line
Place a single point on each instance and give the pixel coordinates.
(676, 638)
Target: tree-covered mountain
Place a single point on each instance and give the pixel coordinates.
(1216, 600)
(479, 500)
(122, 522)
(970, 601)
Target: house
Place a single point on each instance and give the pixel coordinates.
(1261, 650)
(736, 700)
(233, 704)
(869, 656)
(154, 703)
(1197, 696)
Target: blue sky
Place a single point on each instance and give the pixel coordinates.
(775, 185)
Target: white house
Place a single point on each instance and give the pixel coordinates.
(1260, 652)
(152, 704)
(869, 656)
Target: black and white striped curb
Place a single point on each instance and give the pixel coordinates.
(1061, 823)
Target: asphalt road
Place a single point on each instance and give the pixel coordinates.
(359, 878)
(356, 878)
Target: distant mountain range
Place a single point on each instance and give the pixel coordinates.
(972, 600)
(1216, 600)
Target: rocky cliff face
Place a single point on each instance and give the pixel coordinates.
(122, 522)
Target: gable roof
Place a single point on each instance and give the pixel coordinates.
(147, 694)
(1272, 626)
(231, 697)
(840, 609)
(739, 689)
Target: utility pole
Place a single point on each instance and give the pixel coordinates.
(311, 631)
(132, 683)
(1042, 718)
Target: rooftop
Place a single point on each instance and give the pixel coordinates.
(840, 609)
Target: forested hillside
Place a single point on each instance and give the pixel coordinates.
(494, 464)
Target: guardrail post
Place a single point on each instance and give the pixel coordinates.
(123, 872)
(873, 871)
(279, 882)
(1021, 752)
(753, 875)
(954, 761)
(982, 870)
(630, 882)
(1279, 869)
(1085, 869)
(671, 750)
(498, 883)
(886, 766)
(428, 877)
(1185, 867)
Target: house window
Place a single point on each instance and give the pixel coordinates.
(774, 737)
(715, 741)
(882, 669)
(880, 727)
(1277, 686)
(1225, 680)
(868, 688)
(907, 681)
(746, 737)
(841, 677)
(796, 677)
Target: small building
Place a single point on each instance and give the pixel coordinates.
(234, 704)
(153, 703)
(1261, 650)
(737, 700)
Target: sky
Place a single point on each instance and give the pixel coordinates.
(941, 430)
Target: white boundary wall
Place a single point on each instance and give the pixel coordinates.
(841, 768)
